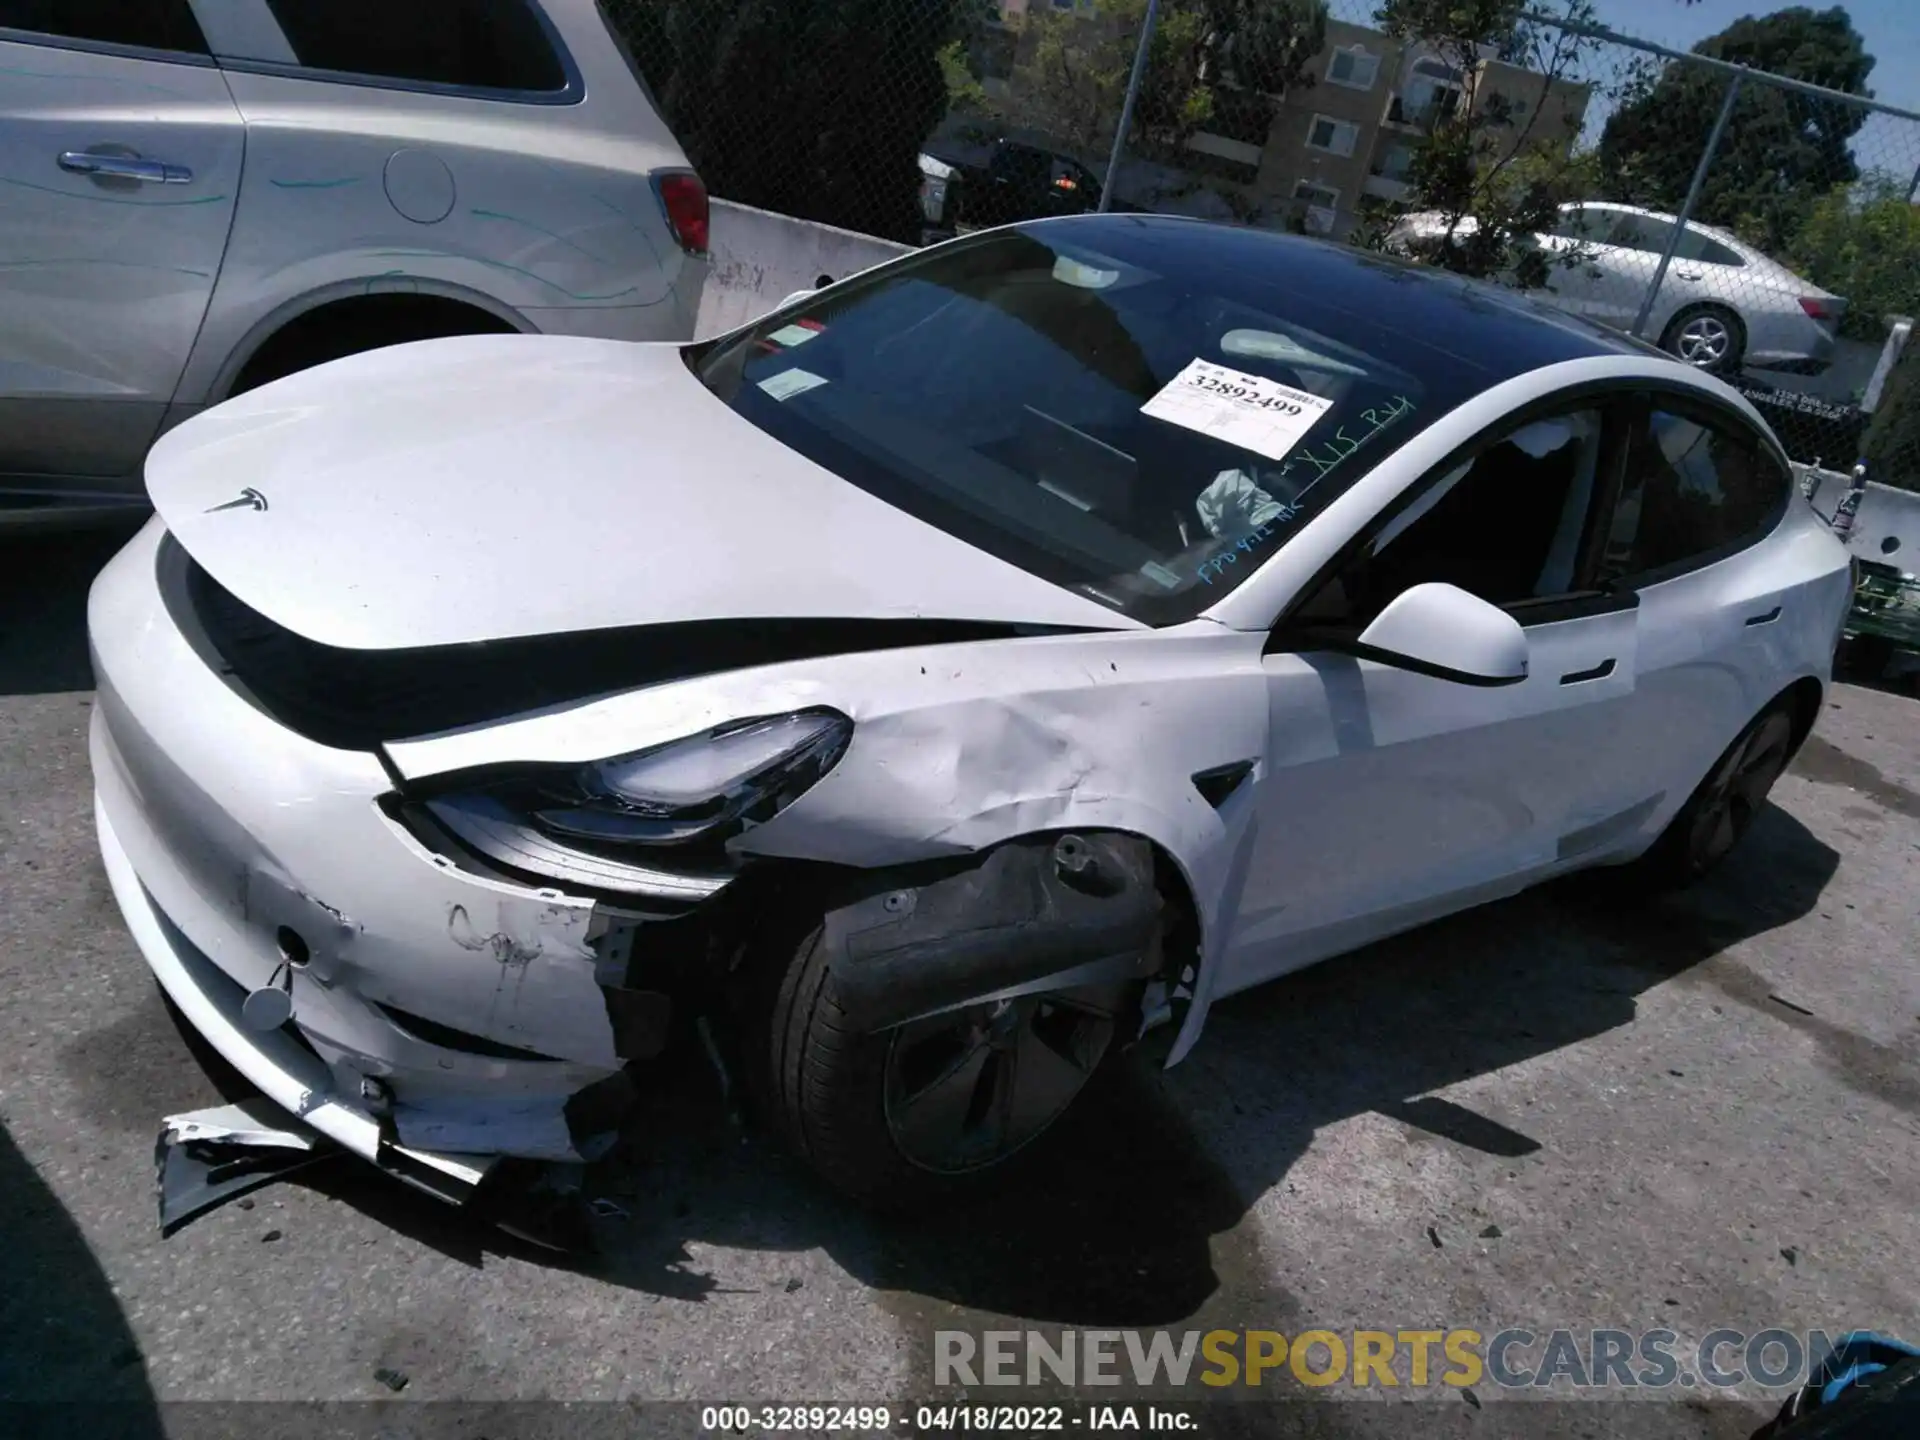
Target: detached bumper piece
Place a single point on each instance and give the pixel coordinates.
(207, 1157)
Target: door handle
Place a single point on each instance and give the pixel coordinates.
(1688, 274)
(1766, 619)
(1598, 672)
(124, 167)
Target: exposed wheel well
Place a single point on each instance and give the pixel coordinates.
(1803, 698)
(358, 323)
(1183, 927)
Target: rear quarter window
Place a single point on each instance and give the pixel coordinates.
(490, 45)
(1695, 491)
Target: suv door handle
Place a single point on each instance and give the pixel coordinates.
(1767, 618)
(124, 167)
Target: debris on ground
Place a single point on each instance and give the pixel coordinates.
(1787, 1004)
(1492, 1232)
(204, 1158)
(1434, 1236)
(394, 1380)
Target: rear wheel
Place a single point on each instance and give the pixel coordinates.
(918, 1112)
(1708, 337)
(1720, 812)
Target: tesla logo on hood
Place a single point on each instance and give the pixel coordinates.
(249, 499)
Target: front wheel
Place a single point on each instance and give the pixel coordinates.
(1720, 812)
(913, 1114)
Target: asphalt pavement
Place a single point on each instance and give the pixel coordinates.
(1554, 1111)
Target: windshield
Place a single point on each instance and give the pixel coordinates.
(1144, 423)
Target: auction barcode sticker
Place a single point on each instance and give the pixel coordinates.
(1249, 411)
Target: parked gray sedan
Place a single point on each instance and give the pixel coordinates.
(1722, 305)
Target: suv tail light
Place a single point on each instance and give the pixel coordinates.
(684, 199)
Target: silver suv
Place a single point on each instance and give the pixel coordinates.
(199, 196)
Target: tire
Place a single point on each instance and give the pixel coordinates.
(838, 1098)
(1708, 337)
(1722, 807)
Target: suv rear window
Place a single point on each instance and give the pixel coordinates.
(472, 44)
(148, 24)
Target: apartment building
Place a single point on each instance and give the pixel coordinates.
(1317, 151)
(1352, 133)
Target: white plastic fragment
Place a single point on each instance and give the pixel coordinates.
(257, 1121)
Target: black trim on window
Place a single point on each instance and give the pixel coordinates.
(1614, 399)
(1336, 641)
(14, 36)
(1575, 605)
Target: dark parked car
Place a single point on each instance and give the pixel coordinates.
(1012, 181)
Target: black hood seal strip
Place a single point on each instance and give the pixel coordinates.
(361, 699)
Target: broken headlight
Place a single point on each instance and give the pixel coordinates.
(692, 793)
(685, 791)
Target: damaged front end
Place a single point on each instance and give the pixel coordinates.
(449, 973)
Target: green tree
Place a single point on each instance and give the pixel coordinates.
(1781, 151)
(1488, 175)
(1863, 242)
(812, 108)
(1073, 79)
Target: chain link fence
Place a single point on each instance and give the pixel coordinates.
(1745, 207)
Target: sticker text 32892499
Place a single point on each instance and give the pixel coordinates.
(1249, 411)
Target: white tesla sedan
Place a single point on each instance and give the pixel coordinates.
(942, 681)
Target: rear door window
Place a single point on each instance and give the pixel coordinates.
(1592, 227)
(145, 24)
(492, 45)
(1640, 232)
(1695, 491)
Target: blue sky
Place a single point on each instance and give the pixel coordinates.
(1891, 29)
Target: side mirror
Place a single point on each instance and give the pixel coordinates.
(1442, 631)
(795, 298)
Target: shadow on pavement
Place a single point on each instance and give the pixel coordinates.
(69, 1363)
(43, 607)
(1128, 1221)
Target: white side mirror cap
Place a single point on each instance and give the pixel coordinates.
(1442, 631)
(795, 298)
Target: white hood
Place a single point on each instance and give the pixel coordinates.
(496, 486)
